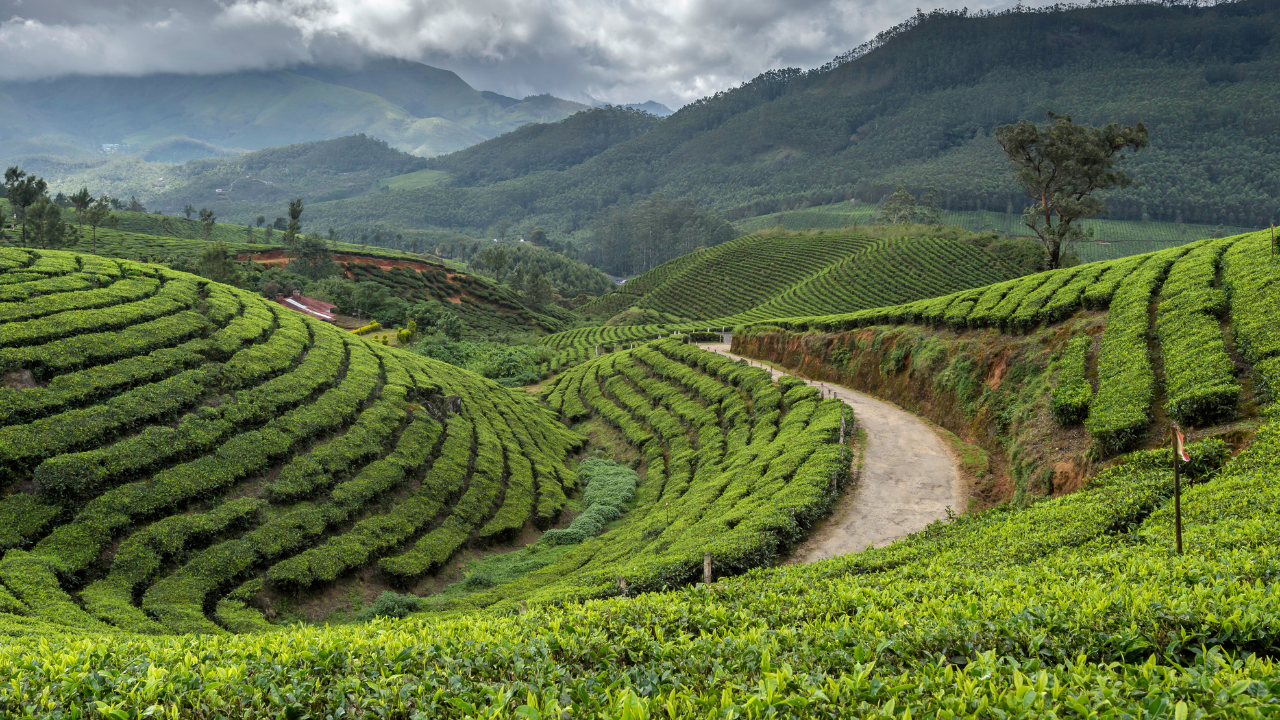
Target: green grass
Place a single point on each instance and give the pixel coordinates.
(414, 180)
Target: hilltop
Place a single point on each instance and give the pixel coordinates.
(172, 118)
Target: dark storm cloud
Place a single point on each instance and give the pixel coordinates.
(615, 50)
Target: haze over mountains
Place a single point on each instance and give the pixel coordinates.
(416, 108)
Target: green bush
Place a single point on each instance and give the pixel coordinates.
(1071, 397)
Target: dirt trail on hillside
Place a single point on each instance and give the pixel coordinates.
(908, 480)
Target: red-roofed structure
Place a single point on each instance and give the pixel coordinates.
(315, 308)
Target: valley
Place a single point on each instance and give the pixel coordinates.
(351, 391)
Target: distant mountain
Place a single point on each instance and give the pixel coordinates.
(651, 107)
(416, 108)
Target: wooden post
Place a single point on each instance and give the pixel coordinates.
(706, 568)
(622, 585)
(1273, 242)
(1177, 492)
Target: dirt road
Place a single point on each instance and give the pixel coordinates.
(908, 479)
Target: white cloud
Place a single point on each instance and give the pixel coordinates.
(617, 50)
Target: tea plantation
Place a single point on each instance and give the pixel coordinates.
(231, 442)
(176, 451)
(1173, 300)
(761, 277)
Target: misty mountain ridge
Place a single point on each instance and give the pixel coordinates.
(416, 108)
(653, 107)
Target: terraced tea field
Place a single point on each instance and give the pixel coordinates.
(1112, 238)
(172, 446)
(757, 278)
(1177, 296)
(1042, 612)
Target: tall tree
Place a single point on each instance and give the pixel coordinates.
(217, 264)
(539, 290)
(898, 208)
(295, 228)
(189, 210)
(1060, 166)
(314, 260)
(261, 219)
(81, 202)
(135, 205)
(22, 190)
(99, 215)
(207, 219)
(496, 259)
(47, 228)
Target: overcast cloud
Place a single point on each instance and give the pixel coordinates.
(672, 51)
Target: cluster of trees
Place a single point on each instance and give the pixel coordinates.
(637, 238)
(39, 217)
(517, 263)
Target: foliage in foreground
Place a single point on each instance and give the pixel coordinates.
(1075, 607)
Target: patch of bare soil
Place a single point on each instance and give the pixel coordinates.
(18, 380)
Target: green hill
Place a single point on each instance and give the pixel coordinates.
(266, 180)
(786, 274)
(1171, 361)
(179, 456)
(1072, 606)
(169, 117)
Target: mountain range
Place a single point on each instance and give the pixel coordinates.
(916, 107)
(416, 108)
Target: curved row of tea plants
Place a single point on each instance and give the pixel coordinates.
(735, 465)
(1208, 283)
(176, 448)
(1074, 607)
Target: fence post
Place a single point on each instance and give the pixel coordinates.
(706, 568)
(622, 585)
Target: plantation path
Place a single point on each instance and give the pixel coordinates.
(908, 479)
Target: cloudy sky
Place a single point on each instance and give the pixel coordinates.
(672, 51)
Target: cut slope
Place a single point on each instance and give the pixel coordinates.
(1163, 352)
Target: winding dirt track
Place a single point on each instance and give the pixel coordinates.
(908, 479)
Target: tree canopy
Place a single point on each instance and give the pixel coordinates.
(1060, 166)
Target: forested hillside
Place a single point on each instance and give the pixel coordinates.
(918, 107)
(266, 179)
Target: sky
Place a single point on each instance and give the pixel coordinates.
(619, 51)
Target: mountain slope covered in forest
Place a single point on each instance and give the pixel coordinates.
(919, 108)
